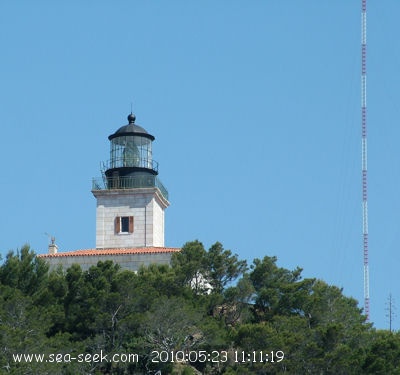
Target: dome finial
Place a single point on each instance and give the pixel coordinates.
(131, 118)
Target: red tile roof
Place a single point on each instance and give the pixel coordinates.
(119, 251)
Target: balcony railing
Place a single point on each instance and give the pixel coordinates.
(130, 182)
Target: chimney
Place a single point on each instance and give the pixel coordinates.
(52, 246)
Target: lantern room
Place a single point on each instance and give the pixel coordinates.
(131, 152)
(131, 163)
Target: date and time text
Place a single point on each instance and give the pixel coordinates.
(216, 356)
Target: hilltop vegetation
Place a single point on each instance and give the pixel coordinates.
(209, 304)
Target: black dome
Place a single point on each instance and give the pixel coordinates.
(131, 129)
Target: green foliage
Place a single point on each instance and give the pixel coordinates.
(278, 290)
(223, 267)
(383, 355)
(237, 302)
(23, 271)
(171, 324)
(207, 271)
(190, 266)
(206, 300)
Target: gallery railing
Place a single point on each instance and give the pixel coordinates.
(130, 182)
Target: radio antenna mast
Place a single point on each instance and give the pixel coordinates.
(364, 151)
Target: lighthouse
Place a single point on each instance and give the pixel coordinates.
(130, 206)
(130, 198)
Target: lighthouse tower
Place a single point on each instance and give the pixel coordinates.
(131, 200)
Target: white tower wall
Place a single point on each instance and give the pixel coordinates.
(145, 205)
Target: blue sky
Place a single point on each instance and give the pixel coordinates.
(255, 106)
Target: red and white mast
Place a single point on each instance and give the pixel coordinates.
(364, 152)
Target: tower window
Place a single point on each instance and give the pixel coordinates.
(124, 224)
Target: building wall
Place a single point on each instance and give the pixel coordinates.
(144, 205)
(158, 224)
(131, 262)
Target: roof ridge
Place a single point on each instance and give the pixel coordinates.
(113, 251)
